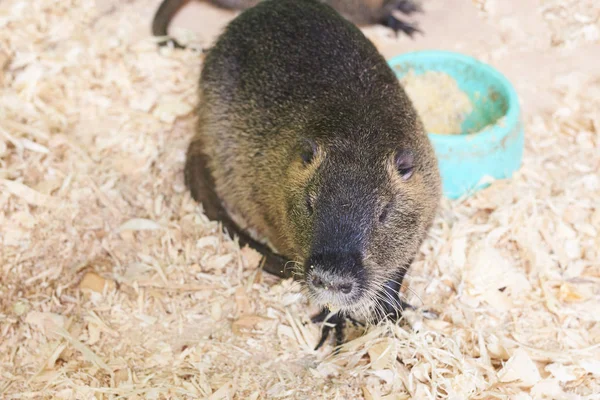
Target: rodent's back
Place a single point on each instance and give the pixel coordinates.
(294, 53)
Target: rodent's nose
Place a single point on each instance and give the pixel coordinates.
(330, 283)
(334, 274)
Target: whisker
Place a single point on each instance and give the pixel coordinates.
(399, 283)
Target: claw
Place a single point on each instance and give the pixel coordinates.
(336, 322)
(398, 25)
(324, 335)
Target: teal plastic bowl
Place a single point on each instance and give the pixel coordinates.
(491, 144)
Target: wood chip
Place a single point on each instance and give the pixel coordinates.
(520, 368)
(94, 282)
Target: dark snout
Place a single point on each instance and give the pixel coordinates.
(335, 278)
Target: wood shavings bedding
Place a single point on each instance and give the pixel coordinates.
(114, 285)
(572, 23)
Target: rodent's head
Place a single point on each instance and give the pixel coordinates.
(358, 208)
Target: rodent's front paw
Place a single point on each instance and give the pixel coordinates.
(393, 308)
(332, 321)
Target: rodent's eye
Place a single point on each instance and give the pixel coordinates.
(405, 163)
(308, 151)
(385, 212)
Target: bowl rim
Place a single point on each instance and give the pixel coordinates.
(490, 132)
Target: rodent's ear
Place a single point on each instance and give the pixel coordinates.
(308, 150)
(405, 163)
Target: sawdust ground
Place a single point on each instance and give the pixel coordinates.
(114, 285)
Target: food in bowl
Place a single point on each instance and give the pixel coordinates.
(440, 103)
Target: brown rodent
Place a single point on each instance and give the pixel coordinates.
(306, 135)
(360, 12)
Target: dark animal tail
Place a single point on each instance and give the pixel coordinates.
(200, 182)
(162, 18)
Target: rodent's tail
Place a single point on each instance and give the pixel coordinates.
(162, 18)
(201, 184)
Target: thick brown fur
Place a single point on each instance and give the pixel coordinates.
(310, 140)
(360, 12)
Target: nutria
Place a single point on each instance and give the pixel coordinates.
(306, 137)
(361, 12)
